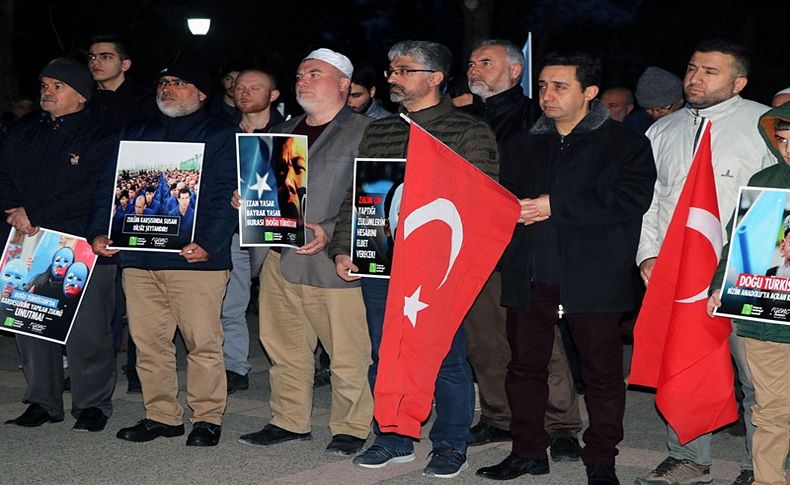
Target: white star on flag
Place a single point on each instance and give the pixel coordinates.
(412, 305)
(261, 184)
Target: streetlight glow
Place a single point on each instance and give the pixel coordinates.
(199, 26)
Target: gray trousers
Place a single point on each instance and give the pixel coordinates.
(698, 449)
(90, 352)
(236, 348)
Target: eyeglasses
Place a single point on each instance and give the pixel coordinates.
(403, 72)
(102, 56)
(176, 83)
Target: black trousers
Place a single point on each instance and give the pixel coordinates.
(90, 352)
(531, 337)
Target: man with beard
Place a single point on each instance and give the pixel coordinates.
(254, 92)
(301, 299)
(417, 73)
(48, 171)
(715, 75)
(362, 97)
(184, 290)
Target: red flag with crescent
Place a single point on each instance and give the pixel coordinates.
(454, 224)
(678, 349)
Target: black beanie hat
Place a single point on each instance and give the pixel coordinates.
(71, 72)
(190, 71)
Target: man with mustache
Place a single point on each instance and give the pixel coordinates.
(181, 290)
(715, 76)
(48, 171)
(302, 301)
(418, 71)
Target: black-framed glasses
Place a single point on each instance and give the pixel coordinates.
(176, 83)
(403, 72)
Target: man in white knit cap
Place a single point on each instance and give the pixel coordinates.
(301, 299)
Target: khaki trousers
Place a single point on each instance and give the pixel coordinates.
(770, 366)
(292, 318)
(158, 302)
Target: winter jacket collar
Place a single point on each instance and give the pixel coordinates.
(592, 121)
(426, 116)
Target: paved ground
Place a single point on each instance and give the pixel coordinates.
(54, 453)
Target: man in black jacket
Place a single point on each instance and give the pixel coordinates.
(48, 170)
(168, 290)
(494, 73)
(584, 183)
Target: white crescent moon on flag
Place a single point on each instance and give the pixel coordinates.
(438, 210)
(709, 226)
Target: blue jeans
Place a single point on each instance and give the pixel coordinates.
(236, 347)
(454, 394)
(698, 449)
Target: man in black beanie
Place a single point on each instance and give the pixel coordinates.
(184, 290)
(48, 171)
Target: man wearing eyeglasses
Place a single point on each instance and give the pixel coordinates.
(417, 74)
(182, 290)
(117, 101)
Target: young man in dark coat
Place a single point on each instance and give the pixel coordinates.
(584, 183)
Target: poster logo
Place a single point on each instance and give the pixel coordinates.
(747, 309)
(268, 236)
(132, 240)
(9, 321)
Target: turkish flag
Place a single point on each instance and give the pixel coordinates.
(678, 349)
(455, 222)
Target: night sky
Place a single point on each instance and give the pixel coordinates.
(628, 35)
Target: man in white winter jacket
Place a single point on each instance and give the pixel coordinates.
(716, 74)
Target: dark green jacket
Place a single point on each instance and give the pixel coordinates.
(775, 176)
(388, 137)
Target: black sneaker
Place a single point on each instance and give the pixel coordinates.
(343, 445)
(236, 382)
(378, 456)
(483, 433)
(746, 477)
(446, 462)
(565, 449)
(601, 474)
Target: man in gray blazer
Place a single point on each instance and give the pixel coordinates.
(302, 299)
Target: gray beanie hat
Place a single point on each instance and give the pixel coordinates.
(657, 88)
(72, 73)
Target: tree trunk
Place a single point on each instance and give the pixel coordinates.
(478, 17)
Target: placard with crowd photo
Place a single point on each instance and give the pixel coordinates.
(157, 189)
(378, 186)
(44, 277)
(757, 279)
(272, 184)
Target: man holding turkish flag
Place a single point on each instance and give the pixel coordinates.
(441, 219)
(446, 247)
(677, 348)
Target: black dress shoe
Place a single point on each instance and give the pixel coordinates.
(483, 433)
(34, 415)
(514, 466)
(272, 435)
(90, 419)
(148, 429)
(343, 445)
(565, 449)
(236, 382)
(204, 434)
(601, 474)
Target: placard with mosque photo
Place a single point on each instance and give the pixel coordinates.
(43, 280)
(378, 187)
(757, 279)
(156, 195)
(272, 184)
